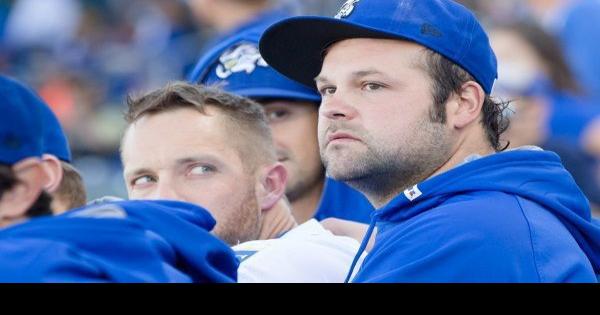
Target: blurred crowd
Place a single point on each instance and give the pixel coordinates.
(85, 56)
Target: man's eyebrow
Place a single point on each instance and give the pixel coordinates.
(321, 79)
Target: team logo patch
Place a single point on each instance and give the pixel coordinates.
(244, 57)
(412, 193)
(346, 9)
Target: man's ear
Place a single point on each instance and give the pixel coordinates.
(272, 184)
(54, 170)
(15, 202)
(466, 105)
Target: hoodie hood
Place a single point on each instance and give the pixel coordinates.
(127, 241)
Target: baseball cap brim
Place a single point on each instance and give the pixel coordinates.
(274, 93)
(295, 47)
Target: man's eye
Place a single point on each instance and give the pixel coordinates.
(201, 170)
(372, 86)
(277, 115)
(327, 90)
(142, 180)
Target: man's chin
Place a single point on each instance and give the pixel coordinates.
(342, 170)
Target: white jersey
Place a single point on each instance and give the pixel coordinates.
(307, 253)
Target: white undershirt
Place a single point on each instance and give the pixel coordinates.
(307, 253)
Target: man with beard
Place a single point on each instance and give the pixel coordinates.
(406, 118)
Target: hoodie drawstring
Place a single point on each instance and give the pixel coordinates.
(362, 247)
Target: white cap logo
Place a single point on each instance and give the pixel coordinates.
(346, 9)
(243, 57)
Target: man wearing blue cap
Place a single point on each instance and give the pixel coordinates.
(23, 175)
(140, 241)
(63, 181)
(292, 110)
(407, 118)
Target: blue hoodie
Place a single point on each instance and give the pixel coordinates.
(515, 216)
(126, 241)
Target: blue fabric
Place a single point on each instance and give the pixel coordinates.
(339, 200)
(515, 216)
(570, 116)
(21, 124)
(253, 78)
(126, 241)
(295, 45)
(55, 141)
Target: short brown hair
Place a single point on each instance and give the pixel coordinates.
(71, 191)
(248, 123)
(448, 78)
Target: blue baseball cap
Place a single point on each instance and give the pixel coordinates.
(295, 46)
(237, 67)
(21, 124)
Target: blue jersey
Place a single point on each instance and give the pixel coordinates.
(339, 200)
(515, 216)
(127, 241)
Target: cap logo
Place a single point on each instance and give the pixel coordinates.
(243, 57)
(346, 9)
(412, 193)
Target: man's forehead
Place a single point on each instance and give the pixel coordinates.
(186, 124)
(384, 56)
(181, 136)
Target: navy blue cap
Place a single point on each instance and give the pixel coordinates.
(237, 67)
(295, 46)
(21, 124)
(55, 141)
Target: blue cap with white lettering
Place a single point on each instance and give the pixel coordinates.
(295, 46)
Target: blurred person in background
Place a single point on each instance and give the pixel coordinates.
(226, 18)
(549, 109)
(576, 24)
